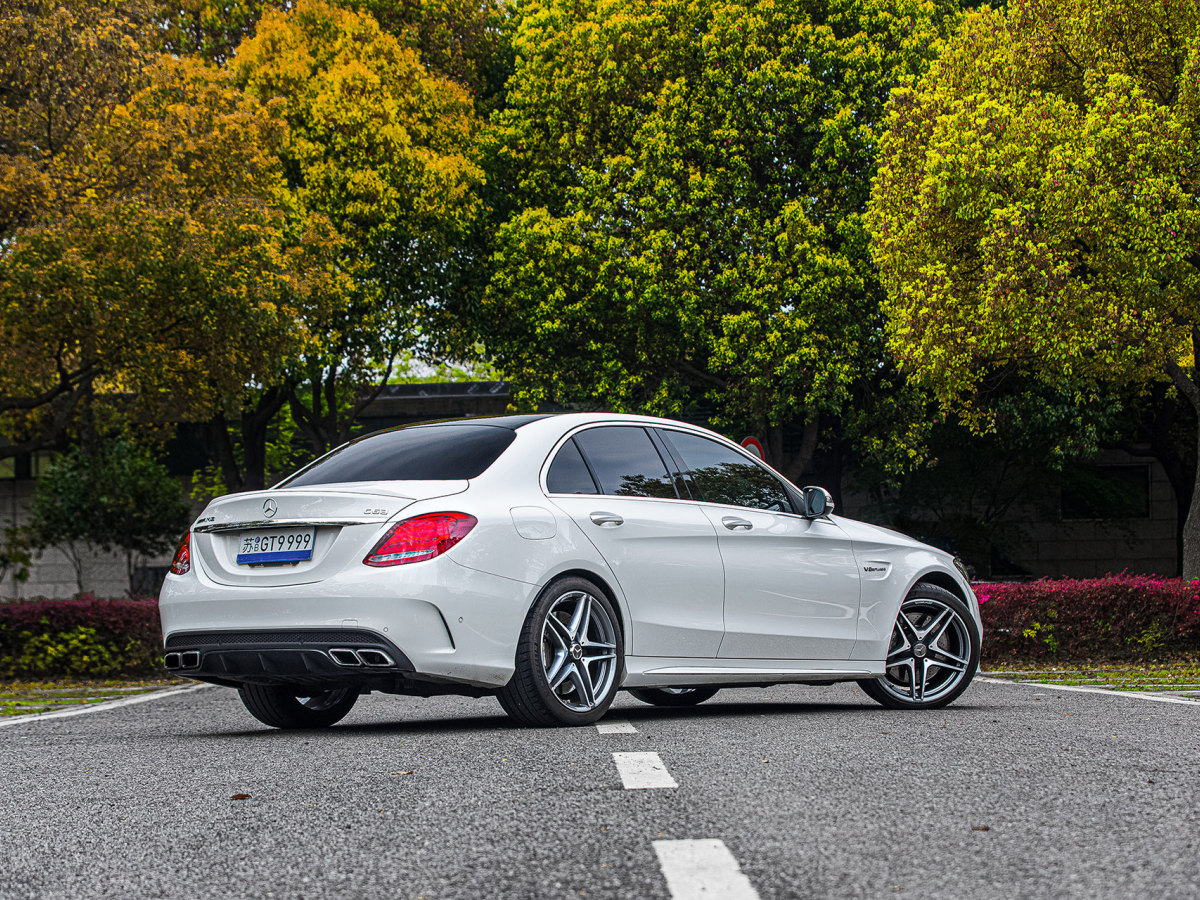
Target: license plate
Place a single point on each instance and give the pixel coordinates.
(283, 545)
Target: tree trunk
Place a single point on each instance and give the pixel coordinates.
(1191, 528)
(75, 555)
(323, 421)
(220, 449)
(255, 422)
(1163, 416)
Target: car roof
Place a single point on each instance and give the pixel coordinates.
(510, 422)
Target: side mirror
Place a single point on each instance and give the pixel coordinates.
(817, 502)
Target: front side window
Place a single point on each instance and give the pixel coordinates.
(419, 453)
(722, 475)
(626, 462)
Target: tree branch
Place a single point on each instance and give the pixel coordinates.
(1183, 382)
(688, 369)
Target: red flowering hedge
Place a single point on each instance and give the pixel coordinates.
(85, 637)
(1116, 617)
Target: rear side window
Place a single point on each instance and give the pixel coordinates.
(424, 453)
(722, 475)
(626, 462)
(568, 473)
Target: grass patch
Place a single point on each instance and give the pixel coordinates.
(1180, 674)
(20, 698)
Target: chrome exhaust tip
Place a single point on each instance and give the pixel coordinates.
(189, 659)
(172, 661)
(375, 658)
(344, 657)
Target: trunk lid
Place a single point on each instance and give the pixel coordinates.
(335, 524)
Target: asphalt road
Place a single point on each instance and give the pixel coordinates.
(815, 792)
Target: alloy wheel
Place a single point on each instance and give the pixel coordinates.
(930, 652)
(579, 651)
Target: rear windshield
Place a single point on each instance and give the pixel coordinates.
(425, 453)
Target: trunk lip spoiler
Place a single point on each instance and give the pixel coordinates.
(282, 523)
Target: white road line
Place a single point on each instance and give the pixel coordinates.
(615, 727)
(99, 707)
(1135, 695)
(696, 870)
(643, 770)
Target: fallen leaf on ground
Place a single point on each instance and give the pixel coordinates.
(409, 772)
(981, 827)
(240, 797)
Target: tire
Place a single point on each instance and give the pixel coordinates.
(570, 658)
(674, 696)
(933, 653)
(290, 707)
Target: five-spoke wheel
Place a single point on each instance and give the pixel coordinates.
(933, 655)
(569, 658)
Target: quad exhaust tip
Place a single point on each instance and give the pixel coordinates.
(343, 656)
(366, 656)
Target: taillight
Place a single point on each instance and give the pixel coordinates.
(182, 563)
(420, 538)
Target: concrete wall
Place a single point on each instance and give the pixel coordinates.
(52, 574)
(1090, 548)
(1047, 543)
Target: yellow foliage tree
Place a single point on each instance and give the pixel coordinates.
(381, 149)
(161, 270)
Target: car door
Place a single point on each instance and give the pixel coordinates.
(614, 484)
(791, 583)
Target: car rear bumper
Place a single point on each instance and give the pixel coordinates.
(305, 657)
(435, 621)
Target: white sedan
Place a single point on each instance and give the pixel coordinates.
(552, 561)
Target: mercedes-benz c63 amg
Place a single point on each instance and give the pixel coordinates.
(552, 561)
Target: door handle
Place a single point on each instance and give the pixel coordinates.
(606, 518)
(733, 523)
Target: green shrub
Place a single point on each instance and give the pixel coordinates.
(87, 637)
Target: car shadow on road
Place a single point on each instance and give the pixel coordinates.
(728, 709)
(443, 724)
(409, 721)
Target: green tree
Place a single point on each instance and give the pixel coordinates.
(14, 553)
(467, 41)
(380, 149)
(972, 493)
(118, 498)
(210, 29)
(1036, 206)
(688, 180)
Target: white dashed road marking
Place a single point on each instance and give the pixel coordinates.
(615, 727)
(1134, 695)
(99, 707)
(702, 869)
(643, 770)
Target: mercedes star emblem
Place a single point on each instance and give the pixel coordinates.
(270, 508)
